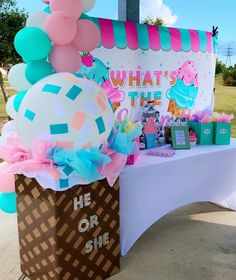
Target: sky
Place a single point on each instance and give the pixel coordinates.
(199, 14)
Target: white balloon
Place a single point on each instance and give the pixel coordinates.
(88, 5)
(71, 111)
(17, 78)
(9, 127)
(10, 108)
(37, 19)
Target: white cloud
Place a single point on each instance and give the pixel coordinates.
(157, 8)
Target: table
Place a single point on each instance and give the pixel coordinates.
(155, 186)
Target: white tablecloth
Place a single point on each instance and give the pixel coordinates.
(155, 186)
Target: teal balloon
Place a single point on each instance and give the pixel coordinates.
(84, 16)
(32, 44)
(37, 70)
(8, 203)
(18, 100)
(47, 10)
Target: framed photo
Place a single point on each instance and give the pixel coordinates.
(180, 137)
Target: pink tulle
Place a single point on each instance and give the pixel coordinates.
(113, 169)
(20, 159)
(205, 119)
(223, 118)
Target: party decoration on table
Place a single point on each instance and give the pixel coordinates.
(150, 133)
(149, 111)
(183, 94)
(126, 127)
(180, 137)
(209, 127)
(192, 138)
(161, 153)
(222, 128)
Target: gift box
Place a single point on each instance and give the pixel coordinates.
(71, 235)
(192, 125)
(133, 158)
(150, 141)
(222, 133)
(204, 133)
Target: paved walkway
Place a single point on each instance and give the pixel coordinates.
(197, 242)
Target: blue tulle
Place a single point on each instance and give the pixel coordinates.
(123, 143)
(84, 162)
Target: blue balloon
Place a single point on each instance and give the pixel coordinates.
(32, 44)
(8, 203)
(37, 70)
(84, 16)
(47, 10)
(18, 100)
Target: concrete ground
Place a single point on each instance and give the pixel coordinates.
(196, 242)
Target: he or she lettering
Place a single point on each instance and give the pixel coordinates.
(86, 224)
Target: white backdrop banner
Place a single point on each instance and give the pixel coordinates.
(136, 63)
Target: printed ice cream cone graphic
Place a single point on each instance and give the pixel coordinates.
(116, 96)
(183, 94)
(174, 109)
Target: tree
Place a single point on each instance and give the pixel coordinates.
(229, 76)
(220, 67)
(156, 21)
(7, 5)
(11, 21)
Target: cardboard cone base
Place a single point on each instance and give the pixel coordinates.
(52, 245)
(174, 109)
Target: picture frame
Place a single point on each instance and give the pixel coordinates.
(180, 137)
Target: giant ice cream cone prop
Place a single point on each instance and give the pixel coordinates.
(182, 95)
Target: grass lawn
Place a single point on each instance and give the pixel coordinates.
(225, 100)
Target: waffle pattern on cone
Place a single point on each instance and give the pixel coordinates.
(174, 109)
(51, 246)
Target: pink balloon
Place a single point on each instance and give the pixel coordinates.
(7, 182)
(87, 37)
(65, 58)
(72, 7)
(61, 28)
